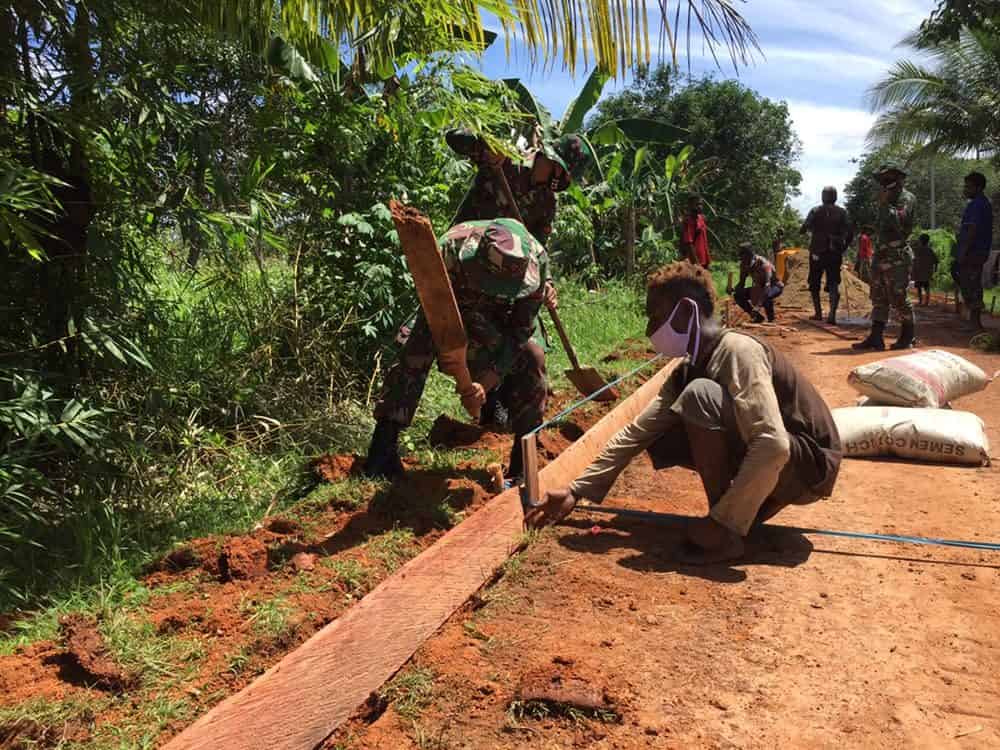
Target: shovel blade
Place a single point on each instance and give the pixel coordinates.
(588, 380)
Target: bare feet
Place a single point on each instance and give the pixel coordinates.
(710, 542)
(557, 505)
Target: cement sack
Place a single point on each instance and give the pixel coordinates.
(931, 435)
(930, 379)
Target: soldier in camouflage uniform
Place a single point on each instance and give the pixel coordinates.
(892, 260)
(533, 184)
(498, 271)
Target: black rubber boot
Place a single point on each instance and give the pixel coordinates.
(383, 460)
(817, 307)
(906, 338)
(834, 303)
(874, 342)
(756, 317)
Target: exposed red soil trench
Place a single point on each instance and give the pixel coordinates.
(811, 641)
(601, 639)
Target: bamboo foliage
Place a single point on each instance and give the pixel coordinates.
(614, 35)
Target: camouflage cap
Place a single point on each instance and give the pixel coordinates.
(890, 167)
(499, 256)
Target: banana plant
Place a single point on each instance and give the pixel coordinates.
(627, 130)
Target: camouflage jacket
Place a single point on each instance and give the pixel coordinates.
(498, 271)
(895, 224)
(486, 199)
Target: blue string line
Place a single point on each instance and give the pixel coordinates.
(573, 407)
(673, 518)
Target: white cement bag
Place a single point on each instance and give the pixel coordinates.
(932, 435)
(930, 378)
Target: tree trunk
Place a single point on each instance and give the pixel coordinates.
(629, 240)
(63, 275)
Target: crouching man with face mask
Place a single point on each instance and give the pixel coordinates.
(736, 411)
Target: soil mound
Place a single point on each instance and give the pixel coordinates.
(86, 650)
(450, 433)
(243, 558)
(332, 468)
(796, 295)
(564, 687)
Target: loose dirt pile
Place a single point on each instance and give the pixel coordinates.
(332, 468)
(242, 558)
(796, 295)
(86, 650)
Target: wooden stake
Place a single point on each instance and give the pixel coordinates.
(529, 457)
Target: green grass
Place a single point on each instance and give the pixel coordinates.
(269, 618)
(410, 691)
(392, 548)
(354, 576)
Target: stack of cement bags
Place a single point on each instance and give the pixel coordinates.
(907, 414)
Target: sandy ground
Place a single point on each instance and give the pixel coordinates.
(812, 641)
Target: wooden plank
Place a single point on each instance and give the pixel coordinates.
(301, 700)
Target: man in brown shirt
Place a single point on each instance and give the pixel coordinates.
(736, 411)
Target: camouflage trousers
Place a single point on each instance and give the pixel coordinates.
(525, 388)
(889, 290)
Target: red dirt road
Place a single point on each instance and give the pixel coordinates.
(810, 642)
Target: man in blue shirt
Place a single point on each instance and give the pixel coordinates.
(975, 237)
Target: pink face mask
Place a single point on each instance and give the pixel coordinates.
(669, 343)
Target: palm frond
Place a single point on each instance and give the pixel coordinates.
(616, 32)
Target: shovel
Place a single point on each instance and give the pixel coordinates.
(586, 379)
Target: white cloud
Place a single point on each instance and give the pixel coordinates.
(831, 137)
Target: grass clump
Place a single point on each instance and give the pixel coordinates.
(393, 548)
(410, 691)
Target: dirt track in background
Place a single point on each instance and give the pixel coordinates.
(811, 642)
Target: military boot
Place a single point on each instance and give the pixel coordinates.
(834, 302)
(383, 460)
(817, 307)
(875, 342)
(906, 338)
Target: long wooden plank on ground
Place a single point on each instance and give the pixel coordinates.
(301, 700)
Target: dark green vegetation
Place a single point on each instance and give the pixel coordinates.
(201, 275)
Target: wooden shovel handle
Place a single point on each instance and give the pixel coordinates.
(565, 339)
(501, 179)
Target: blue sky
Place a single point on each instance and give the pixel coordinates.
(819, 57)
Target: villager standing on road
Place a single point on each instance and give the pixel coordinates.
(863, 265)
(764, 285)
(498, 271)
(891, 263)
(831, 236)
(925, 263)
(975, 237)
(736, 411)
(694, 234)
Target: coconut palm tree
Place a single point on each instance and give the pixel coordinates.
(950, 105)
(613, 34)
